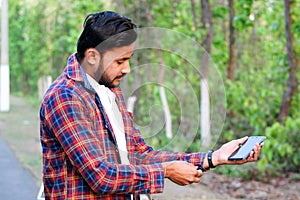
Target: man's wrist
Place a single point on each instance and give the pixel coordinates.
(215, 158)
(165, 170)
(210, 159)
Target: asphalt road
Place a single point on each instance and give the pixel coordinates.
(16, 183)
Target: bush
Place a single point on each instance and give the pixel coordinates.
(281, 150)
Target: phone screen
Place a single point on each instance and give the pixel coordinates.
(244, 151)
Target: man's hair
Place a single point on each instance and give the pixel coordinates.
(108, 26)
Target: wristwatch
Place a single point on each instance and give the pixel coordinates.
(209, 159)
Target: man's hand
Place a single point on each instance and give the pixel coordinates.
(181, 172)
(221, 155)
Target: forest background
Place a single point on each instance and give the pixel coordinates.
(249, 42)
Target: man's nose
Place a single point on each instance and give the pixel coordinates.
(126, 67)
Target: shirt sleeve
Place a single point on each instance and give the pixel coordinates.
(65, 114)
(147, 155)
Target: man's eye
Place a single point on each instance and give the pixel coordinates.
(119, 62)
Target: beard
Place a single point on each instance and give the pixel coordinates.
(104, 80)
(104, 77)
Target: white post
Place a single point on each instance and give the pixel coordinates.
(205, 114)
(4, 68)
(167, 112)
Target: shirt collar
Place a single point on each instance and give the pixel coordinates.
(76, 72)
(101, 88)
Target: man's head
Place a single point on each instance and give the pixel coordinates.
(105, 46)
(105, 30)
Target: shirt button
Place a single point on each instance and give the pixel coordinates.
(117, 150)
(106, 126)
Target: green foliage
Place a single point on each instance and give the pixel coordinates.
(249, 112)
(40, 42)
(281, 149)
(42, 34)
(254, 97)
(248, 171)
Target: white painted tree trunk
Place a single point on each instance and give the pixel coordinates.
(205, 101)
(130, 103)
(166, 112)
(4, 68)
(163, 97)
(205, 114)
(44, 83)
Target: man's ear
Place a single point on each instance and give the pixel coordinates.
(92, 56)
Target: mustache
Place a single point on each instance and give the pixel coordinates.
(121, 76)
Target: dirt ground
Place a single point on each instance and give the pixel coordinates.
(215, 186)
(20, 129)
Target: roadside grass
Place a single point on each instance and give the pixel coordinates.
(20, 129)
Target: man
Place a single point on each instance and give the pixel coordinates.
(91, 149)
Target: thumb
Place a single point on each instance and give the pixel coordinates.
(242, 140)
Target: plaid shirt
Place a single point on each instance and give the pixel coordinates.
(80, 155)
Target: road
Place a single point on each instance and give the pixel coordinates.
(15, 182)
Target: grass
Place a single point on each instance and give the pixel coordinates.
(20, 129)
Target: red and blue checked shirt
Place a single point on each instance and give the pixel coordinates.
(80, 155)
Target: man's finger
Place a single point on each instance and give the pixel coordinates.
(199, 173)
(197, 180)
(242, 140)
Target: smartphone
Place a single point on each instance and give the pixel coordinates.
(244, 151)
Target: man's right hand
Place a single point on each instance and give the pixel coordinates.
(182, 173)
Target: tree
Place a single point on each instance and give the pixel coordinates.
(230, 73)
(206, 18)
(143, 15)
(162, 92)
(292, 84)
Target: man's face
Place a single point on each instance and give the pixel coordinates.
(114, 65)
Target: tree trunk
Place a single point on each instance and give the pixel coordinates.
(4, 68)
(292, 84)
(205, 103)
(130, 104)
(163, 98)
(230, 73)
(224, 24)
(195, 21)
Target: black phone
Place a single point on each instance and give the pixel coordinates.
(244, 151)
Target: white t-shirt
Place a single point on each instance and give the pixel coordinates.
(107, 98)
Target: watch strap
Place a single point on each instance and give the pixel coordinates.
(209, 159)
(200, 167)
